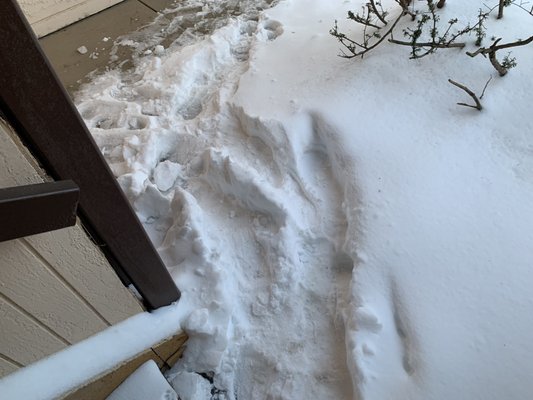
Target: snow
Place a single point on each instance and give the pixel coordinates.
(159, 50)
(82, 50)
(439, 303)
(165, 175)
(191, 386)
(146, 382)
(340, 229)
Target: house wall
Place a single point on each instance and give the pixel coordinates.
(56, 288)
(46, 16)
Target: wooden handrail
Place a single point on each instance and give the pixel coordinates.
(42, 207)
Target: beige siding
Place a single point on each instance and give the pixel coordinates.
(83, 266)
(56, 288)
(24, 339)
(15, 170)
(46, 16)
(7, 366)
(36, 287)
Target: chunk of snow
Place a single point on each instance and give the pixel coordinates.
(165, 174)
(191, 386)
(159, 50)
(198, 322)
(145, 383)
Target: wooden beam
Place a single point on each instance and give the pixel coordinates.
(43, 207)
(39, 109)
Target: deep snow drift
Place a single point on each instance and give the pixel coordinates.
(339, 228)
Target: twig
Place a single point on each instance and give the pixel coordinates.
(404, 4)
(367, 21)
(500, 9)
(522, 5)
(491, 51)
(496, 64)
(485, 88)
(494, 47)
(353, 49)
(478, 105)
(437, 41)
(428, 44)
(376, 11)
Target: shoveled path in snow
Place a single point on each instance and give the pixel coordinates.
(250, 223)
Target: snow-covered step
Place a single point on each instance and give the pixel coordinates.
(146, 383)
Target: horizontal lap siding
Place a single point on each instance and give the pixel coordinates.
(83, 266)
(36, 287)
(56, 288)
(22, 338)
(7, 366)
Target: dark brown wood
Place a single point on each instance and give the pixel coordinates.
(43, 207)
(40, 110)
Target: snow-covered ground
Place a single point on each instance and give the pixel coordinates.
(340, 229)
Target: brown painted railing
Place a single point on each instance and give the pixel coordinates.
(31, 209)
(38, 107)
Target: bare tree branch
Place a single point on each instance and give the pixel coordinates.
(377, 12)
(428, 44)
(496, 64)
(491, 51)
(522, 5)
(494, 47)
(478, 105)
(404, 4)
(485, 88)
(500, 9)
(365, 49)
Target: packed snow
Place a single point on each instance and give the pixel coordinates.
(340, 229)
